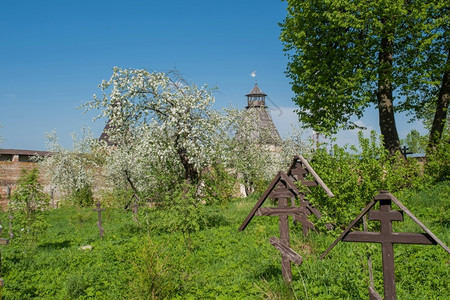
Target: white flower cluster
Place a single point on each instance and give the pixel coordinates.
(163, 130)
(162, 127)
(70, 170)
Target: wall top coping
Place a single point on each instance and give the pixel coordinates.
(23, 152)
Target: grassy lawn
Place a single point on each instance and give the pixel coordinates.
(144, 261)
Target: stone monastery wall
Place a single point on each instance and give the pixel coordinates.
(12, 162)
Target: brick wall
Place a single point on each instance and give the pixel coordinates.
(10, 172)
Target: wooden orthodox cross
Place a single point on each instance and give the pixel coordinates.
(99, 222)
(385, 215)
(281, 188)
(298, 171)
(405, 151)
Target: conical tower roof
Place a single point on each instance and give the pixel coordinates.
(256, 91)
(265, 129)
(105, 136)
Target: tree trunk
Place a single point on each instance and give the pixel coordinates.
(191, 174)
(440, 116)
(384, 96)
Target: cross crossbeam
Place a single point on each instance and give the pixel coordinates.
(394, 238)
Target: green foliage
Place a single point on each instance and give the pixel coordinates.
(76, 285)
(117, 197)
(82, 196)
(336, 50)
(438, 160)
(415, 142)
(183, 211)
(154, 277)
(354, 178)
(27, 203)
(223, 263)
(218, 186)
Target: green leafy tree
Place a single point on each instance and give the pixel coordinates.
(347, 55)
(415, 142)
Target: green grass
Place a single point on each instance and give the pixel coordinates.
(136, 262)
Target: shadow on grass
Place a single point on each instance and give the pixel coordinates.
(269, 273)
(216, 220)
(55, 245)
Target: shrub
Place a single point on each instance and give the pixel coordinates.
(183, 211)
(355, 178)
(153, 275)
(218, 186)
(28, 201)
(438, 161)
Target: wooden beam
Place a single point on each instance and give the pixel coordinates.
(395, 237)
(286, 251)
(344, 233)
(373, 295)
(316, 177)
(277, 211)
(260, 201)
(421, 225)
(384, 195)
(289, 184)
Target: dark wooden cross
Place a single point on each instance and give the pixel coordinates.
(281, 188)
(405, 151)
(298, 171)
(99, 222)
(385, 215)
(283, 211)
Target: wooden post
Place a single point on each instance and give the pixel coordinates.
(99, 222)
(284, 240)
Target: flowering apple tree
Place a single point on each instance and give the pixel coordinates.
(162, 126)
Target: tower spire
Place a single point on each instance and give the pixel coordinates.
(256, 103)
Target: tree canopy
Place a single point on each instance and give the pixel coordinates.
(160, 119)
(347, 55)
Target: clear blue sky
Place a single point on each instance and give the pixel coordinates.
(53, 55)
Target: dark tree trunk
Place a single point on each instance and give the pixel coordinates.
(440, 116)
(384, 97)
(128, 177)
(191, 174)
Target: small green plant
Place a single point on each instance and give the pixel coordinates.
(28, 201)
(438, 160)
(153, 277)
(82, 196)
(219, 186)
(75, 285)
(183, 211)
